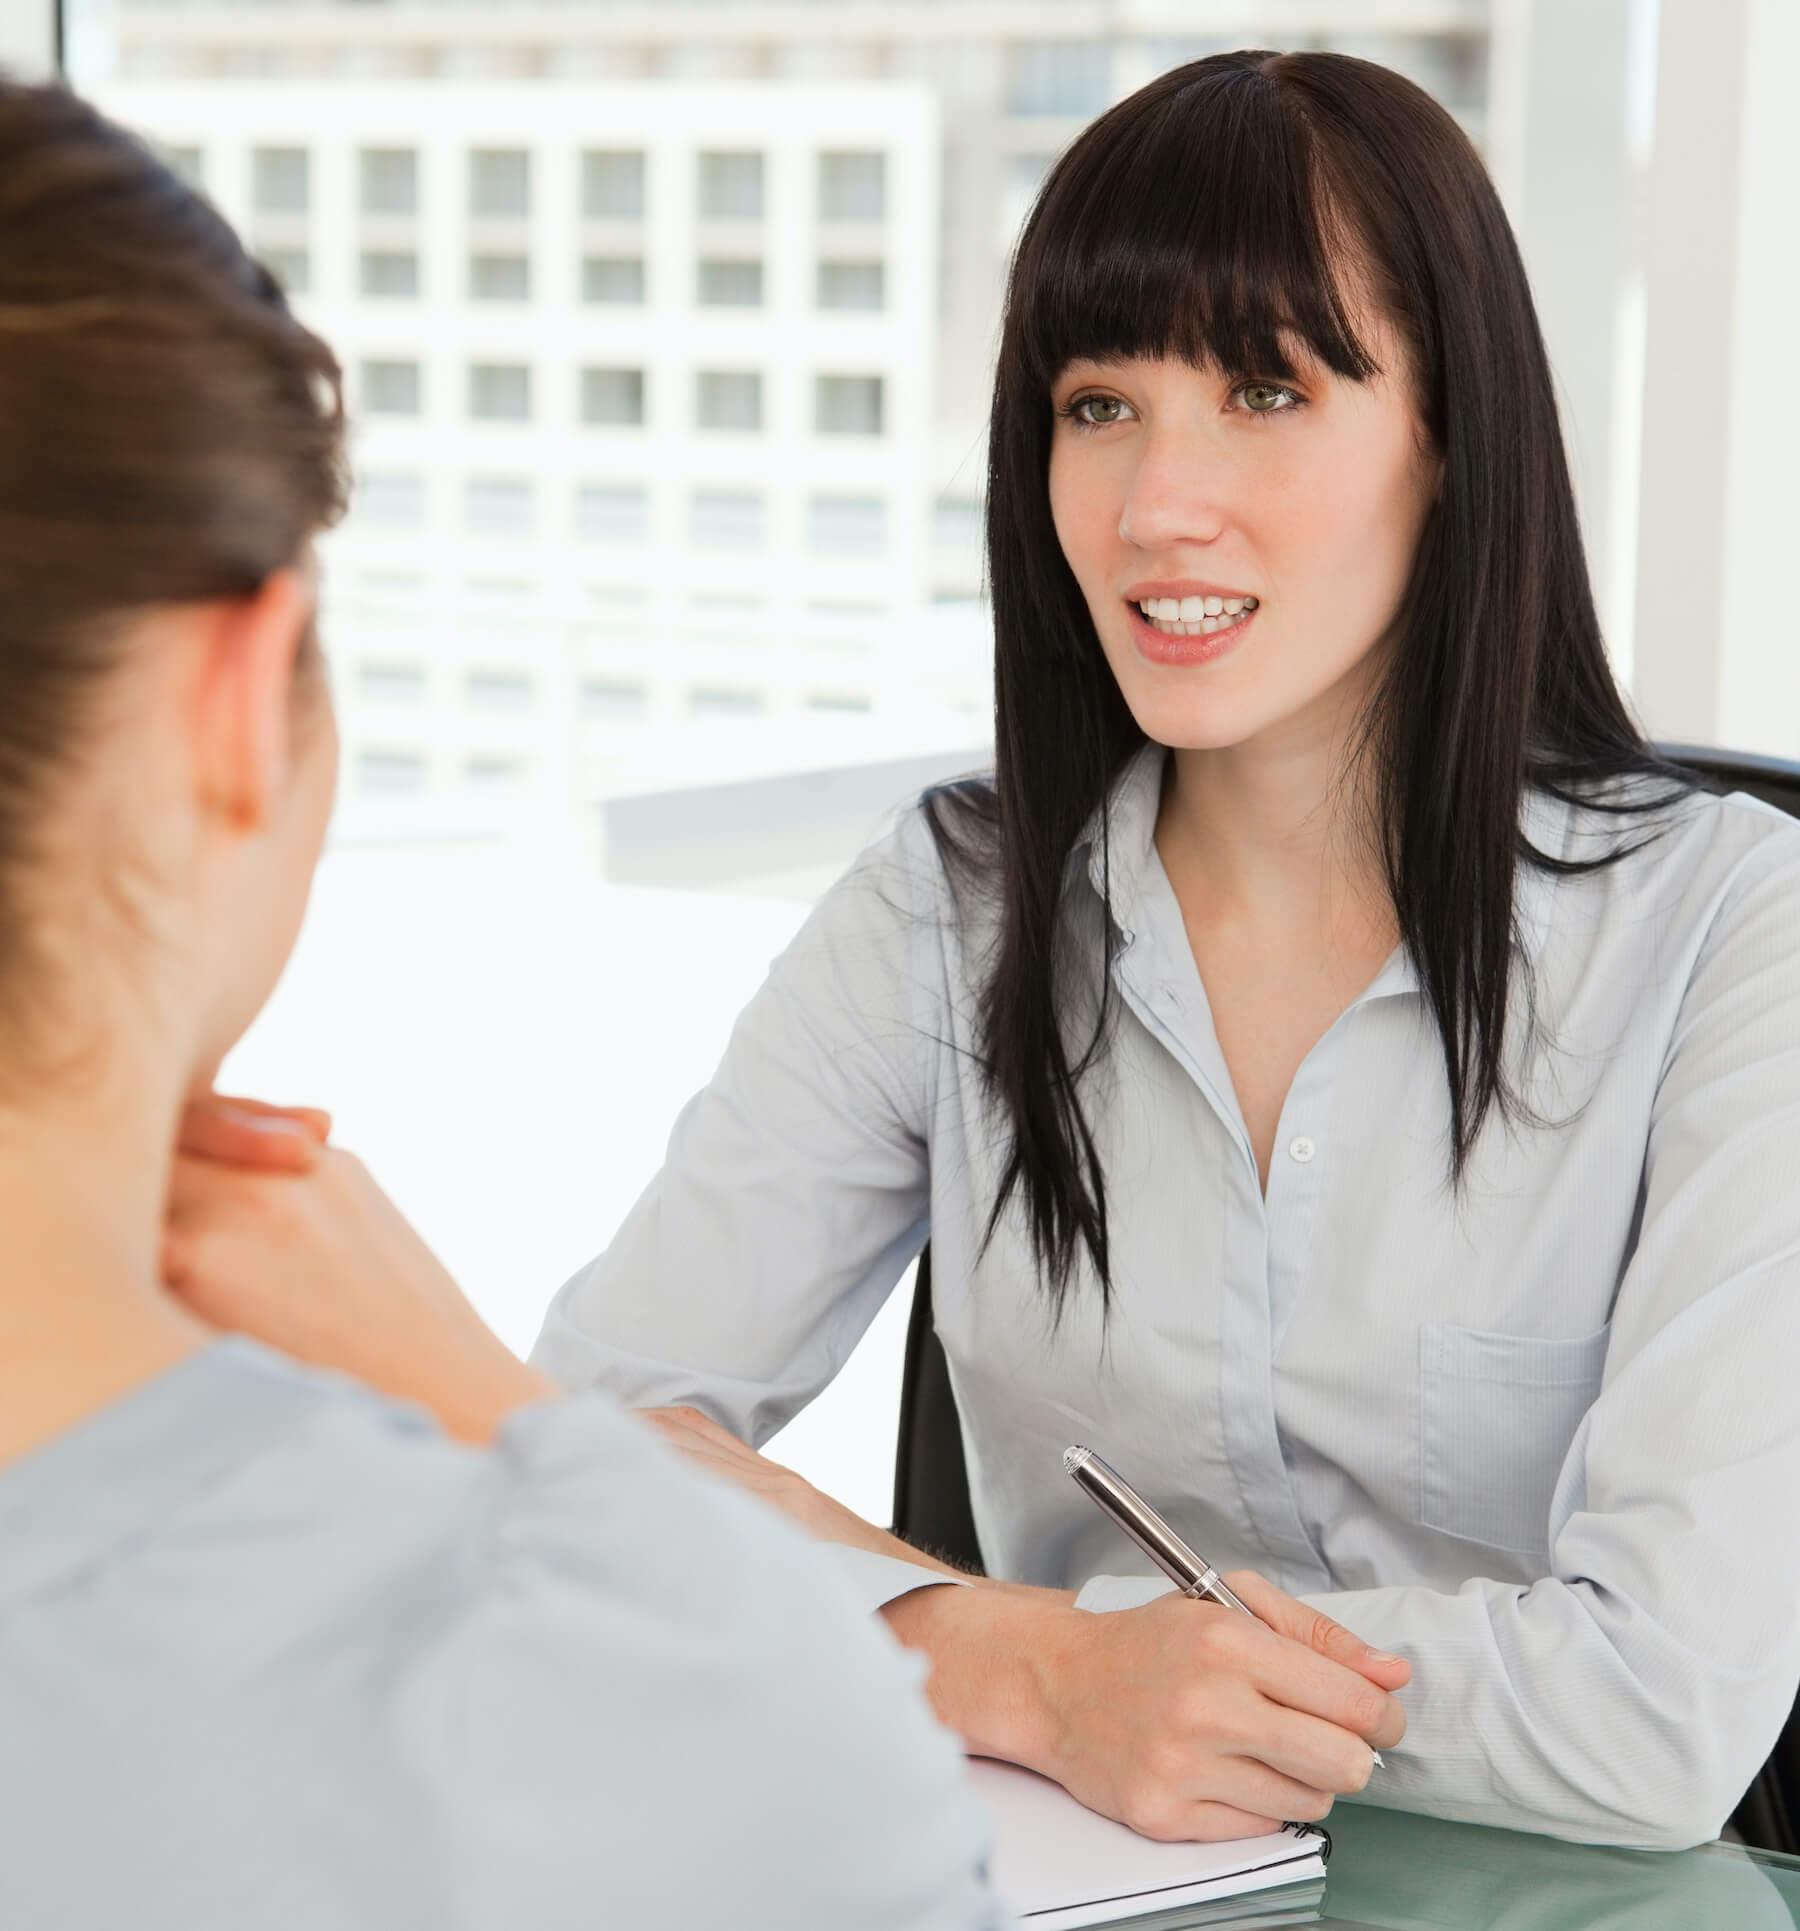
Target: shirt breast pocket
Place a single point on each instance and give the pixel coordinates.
(1497, 1414)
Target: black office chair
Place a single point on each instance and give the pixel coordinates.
(931, 1478)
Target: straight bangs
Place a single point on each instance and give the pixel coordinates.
(1198, 226)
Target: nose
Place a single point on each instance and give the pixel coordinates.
(1178, 493)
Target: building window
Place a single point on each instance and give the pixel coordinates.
(847, 405)
(188, 163)
(614, 397)
(281, 181)
(389, 181)
(391, 683)
(731, 186)
(727, 519)
(498, 506)
(711, 701)
(1058, 79)
(500, 391)
(616, 514)
(612, 184)
(957, 523)
(843, 703)
(390, 774)
(610, 701)
(390, 272)
(499, 691)
(613, 279)
(728, 399)
(391, 502)
(390, 388)
(500, 183)
(729, 284)
(291, 267)
(494, 774)
(852, 187)
(500, 278)
(846, 526)
(852, 284)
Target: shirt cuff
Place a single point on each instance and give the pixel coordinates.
(878, 1580)
(1103, 1593)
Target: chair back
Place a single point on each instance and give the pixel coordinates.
(931, 1478)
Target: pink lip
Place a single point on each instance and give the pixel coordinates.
(1180, 587)
(1185, 652)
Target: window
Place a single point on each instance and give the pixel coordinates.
(726, 519)
(391, 683)
(1060, 79)
(500, 183)
(390, 388)
(847, 405)
(280, 181)
(711, 701)
(957, 523)
(844, 703)
(500, 391)
(508, 691)
(852, 187)
(389, 272)
(498, 506)
(612, 184)
(852, 284)
(391, 502)
(291, 267)
(390, 774)
(609, 701)
(614, 397)
(500, 278)
(731, 186)
(730, 284)
(616, 279)
(389, 181)
(617, 514)
(728, 399)
(846, 526)
(494, 774)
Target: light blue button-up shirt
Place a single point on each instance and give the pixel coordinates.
(274, 1653)
(1540, 1435)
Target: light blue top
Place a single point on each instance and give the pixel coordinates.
(1541, 1437)
(274, 1653)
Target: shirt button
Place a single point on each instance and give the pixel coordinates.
(1301, 1149)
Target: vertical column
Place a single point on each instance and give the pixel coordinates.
(1718, 641)
(28, 49)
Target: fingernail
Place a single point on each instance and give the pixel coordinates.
(1381, 1656)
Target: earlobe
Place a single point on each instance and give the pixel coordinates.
(247, 697)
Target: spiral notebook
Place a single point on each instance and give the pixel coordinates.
(1059, 1865)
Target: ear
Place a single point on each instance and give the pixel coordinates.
(245, 698)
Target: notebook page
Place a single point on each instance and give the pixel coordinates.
(1059, 1865)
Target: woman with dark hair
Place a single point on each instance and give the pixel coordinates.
(273, 1649)
(1345, 1077)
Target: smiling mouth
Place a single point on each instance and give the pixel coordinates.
(1194, 616)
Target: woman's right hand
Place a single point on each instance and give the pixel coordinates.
(1180, 1718)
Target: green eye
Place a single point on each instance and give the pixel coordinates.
(1100, 409)
(1266, 398)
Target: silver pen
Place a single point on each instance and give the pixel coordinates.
(1193, 1575)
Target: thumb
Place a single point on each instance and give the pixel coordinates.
(1302, 1623)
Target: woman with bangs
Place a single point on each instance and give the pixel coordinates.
(1344, 1075)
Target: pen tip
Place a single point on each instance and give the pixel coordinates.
(1073, 1457)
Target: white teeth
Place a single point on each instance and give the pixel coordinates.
(1192, 609)
(1209, 624)
(1233, 605)
(1214, 605)
(1195, 616)
(1169, 609)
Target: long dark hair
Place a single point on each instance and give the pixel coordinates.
(1217, 212)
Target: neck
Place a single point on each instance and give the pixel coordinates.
(84, 1174)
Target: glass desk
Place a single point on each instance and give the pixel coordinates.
(1393, 1872)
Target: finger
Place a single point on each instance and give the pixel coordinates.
(1303, 1624)
(269, 1142)
(1320, 1755)
(314, 1118)
(1242, 1785)
(1288, 1673)
(1201, 1823)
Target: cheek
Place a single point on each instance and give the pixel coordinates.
(1086, 518)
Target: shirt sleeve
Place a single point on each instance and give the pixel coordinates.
(668, 1710)
(796, 1187)
(1631, 1695)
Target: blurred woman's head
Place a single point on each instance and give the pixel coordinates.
(173, 440)
(1269, 341)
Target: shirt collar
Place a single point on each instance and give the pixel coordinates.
(1116, 864)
